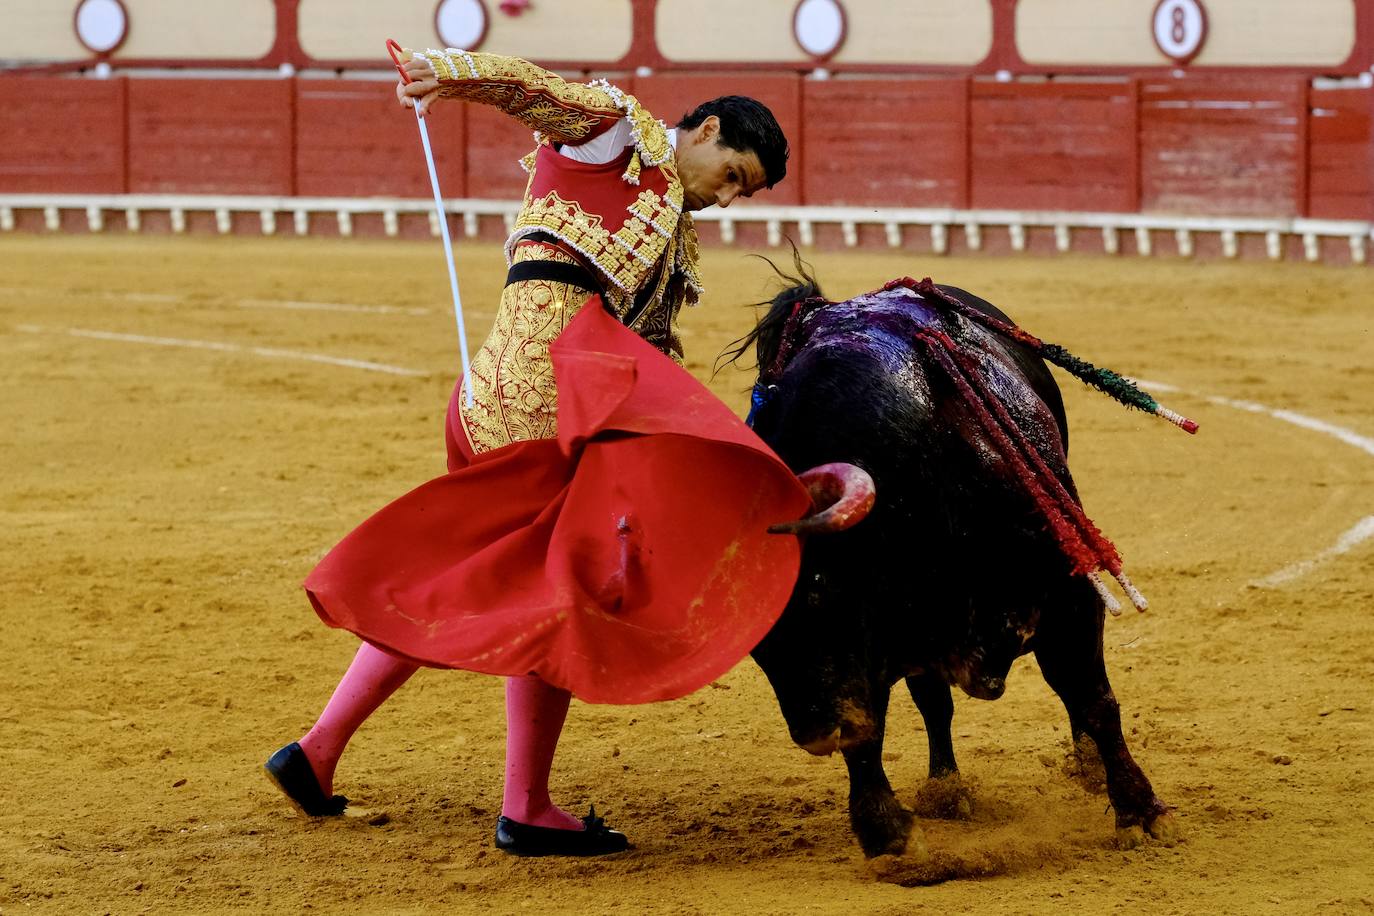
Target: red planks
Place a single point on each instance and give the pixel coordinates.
(670, 96)
(1052, 146)
(1223, 145)
(495, 144)
(889, 143)
(62, 136)
(216, 136)
(354, 140)
(1341, 154)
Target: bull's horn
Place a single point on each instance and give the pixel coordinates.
(841, 495)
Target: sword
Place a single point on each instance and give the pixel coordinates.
(396, 51)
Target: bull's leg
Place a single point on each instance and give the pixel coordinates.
(880, 823)
(1068, 647)
(936, 704)
(944, 794)
(1084, 763)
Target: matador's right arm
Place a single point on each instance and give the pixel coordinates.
(561, 111)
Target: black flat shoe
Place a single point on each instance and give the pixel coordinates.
(595, 839)
(290, 771)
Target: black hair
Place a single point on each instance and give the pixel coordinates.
(766, 337)
(746, 125)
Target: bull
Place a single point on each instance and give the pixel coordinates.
(975, 553)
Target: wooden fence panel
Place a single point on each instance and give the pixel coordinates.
(213, 136)
(1224, 145)
(1341, 154)
(891, 143)
(1053, 146)
(496, 143)
(63, 136)
(354, 140)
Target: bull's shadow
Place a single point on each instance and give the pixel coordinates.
(968, 558)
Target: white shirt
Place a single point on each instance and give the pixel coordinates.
(609, 145)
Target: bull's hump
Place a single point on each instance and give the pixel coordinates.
(899, 313)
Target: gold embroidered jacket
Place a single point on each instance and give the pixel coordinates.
(624, 218)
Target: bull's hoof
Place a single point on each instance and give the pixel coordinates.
(1165, 829)
(884, 827)
(1130, 837)
(946, 798)
(1162, 828)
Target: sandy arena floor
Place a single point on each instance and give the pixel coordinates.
(162, 501)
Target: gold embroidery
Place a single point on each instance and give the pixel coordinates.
(687, 259)
(625, 257)
(582, 230)
(656, 244)
(562, 111)
(640, 252)
(514, 396)
(650, 135)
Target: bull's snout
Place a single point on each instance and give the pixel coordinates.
(823, 746)
(984, 688)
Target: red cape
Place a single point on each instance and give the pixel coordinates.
(628, 560)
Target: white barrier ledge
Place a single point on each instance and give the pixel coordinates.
(775, 220)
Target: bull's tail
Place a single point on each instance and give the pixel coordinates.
(1118, 387)
(1086, 548)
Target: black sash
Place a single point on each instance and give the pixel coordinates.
(554, 271)
(574, 275)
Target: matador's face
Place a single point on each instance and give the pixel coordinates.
(712, 173)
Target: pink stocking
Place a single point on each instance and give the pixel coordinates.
(534, 719)
(373, 676)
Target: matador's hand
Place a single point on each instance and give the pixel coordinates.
(423, 87)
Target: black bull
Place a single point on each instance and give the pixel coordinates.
(952, 576)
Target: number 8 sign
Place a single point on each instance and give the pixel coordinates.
(1180, 28)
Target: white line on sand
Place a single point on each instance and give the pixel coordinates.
(287, 304)
(1363, 529)
(269, 352)
(1349, 437)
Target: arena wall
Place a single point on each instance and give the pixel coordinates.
(1033, 106)
(1242, 33)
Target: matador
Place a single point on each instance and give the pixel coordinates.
(602, 528)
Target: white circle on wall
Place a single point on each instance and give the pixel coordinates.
(819, 27)
(101, 25)
(461, 23)
(1180, 28)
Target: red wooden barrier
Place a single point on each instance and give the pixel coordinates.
(890, 143)
(495, 144)
(210, 136)
(1053, 146)
(1224, 145)
(1200, 145)
(353, 140)
(63, 136)
(1341, 154)
(671, 96)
